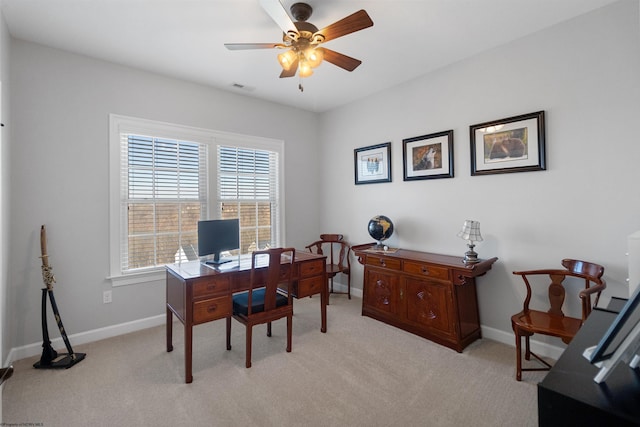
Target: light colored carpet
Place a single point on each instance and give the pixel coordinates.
(360, 373)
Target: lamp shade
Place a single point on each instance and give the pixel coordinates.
(286, 59)
(470, 231)
(314, 56)
(304, 69)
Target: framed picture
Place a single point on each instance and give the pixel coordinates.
(514, 144)
(372, 164)
(428, 156)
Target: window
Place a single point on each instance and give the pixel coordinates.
(165, 182)
(248, 189)
(165, 178)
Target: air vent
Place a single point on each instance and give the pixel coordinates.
(242, 87)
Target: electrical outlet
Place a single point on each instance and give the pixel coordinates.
(106, 297)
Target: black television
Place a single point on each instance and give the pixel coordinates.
(217, 235)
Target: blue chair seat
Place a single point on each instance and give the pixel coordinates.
(241, 302)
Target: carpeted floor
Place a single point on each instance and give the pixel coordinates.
(360, 373)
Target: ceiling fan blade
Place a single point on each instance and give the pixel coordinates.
(352, 23)
(341, 60)
(279, 15)
(247, 46)
(291, 71)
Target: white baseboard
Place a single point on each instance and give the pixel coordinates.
(339, 287)
(17, 353)
(35, 349)
(29, 350)
(540, 348)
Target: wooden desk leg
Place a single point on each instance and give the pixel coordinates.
(169, 330)
(188, 337)
(324, 299)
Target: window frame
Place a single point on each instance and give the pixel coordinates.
(119, 124)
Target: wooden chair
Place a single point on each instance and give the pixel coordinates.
(266, 300)
(553, 322)
(338, 257)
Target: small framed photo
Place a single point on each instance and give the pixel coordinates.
(372, 164)
(514, 144)
(428, 156)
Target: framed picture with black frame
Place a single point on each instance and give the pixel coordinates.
(620, 343)
(372, 164)
(514, 144)
(428, 156)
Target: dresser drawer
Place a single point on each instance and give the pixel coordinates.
(311, 286)
(210, 286)
(426, 270)
(311, 268)
(385, 262)
(211, 309)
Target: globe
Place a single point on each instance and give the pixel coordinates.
(380, 228)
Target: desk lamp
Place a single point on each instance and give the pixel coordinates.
(470, 232)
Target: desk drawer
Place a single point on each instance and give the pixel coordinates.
(310, 286)
(211, 309)
(210, 286)
(426, 270)
(311, 268)
(384, 262)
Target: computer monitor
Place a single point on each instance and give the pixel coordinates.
(217, 235)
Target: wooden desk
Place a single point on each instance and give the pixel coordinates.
(199, 293)
(427, 294)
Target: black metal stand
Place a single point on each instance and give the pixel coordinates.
(50, 358)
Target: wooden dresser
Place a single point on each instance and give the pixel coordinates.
(427, 294)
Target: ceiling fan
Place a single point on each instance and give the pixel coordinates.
(302, 40)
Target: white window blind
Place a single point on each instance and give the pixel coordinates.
(164, 186)
(248, 189)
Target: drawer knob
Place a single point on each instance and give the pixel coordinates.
(382, 263)
(212, 308)
(425, 270)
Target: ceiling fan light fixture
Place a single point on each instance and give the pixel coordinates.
(287, 59)
(305, 69)
(301, 39)
(314, 56)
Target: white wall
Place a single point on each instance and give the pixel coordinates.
(59, 158)
(585, 74)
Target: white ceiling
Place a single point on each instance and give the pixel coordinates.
(184, 39)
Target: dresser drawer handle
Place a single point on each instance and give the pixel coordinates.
(382, 263)
(211, 287)
(425, 270)
(212, 308)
